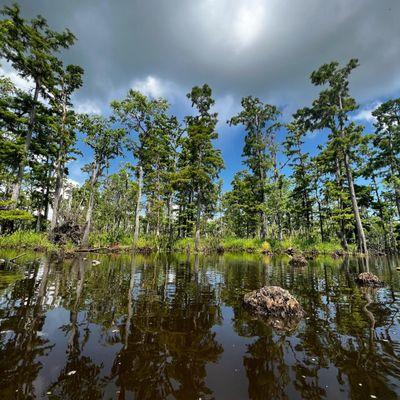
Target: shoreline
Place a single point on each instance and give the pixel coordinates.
(62, 252)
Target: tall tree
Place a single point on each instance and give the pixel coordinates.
(331, 111)
(140, 116)
(301, 173)
(241, 211)
(106, 143)
(202, 162)
(69, 80)
(260, 122)
(30, 47)
(387, 142)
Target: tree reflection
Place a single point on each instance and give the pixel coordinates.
(168, 340)
(144, 328)
(21, 343)
(339, 334)
(79, 378)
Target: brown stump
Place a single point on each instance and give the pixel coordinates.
(369, 279)
(276, 305)
(298, 260)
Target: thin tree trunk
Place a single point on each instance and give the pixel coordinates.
(198, 220)
(88, 222)
(28, 139)
(57, 197)
(362, 242)
(139, 199)
(264, 220)
(341, 232)
(39, 219)
(380, 210)
(169, 212)
(59, 172)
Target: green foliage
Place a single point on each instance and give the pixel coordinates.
(185, 244)
(27, 239)
(9, 213)
(242, 245)
(172, 190)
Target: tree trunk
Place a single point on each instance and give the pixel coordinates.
(397, 199)
(28, 139)
(380, 210)
(198, 220)
(169, 212)
(341, 232)
(88, 222)
(57, 197)
(59, 172)
(362, 242)
(139, 199)
(264, 220)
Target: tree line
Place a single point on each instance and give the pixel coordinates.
(169, 187)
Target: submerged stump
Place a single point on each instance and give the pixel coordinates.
(369, 279)
(276, 305)
(298, 260)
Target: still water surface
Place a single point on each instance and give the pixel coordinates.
(174, 328)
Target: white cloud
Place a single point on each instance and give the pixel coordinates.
(87, 107)
(249, 21)
(149, 86)
(226, 107)
(19, 82)
(365, 114)
(155, 87)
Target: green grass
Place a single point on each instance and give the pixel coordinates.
(34, 240)
(237, 245)
(28, 240)
(144, 243)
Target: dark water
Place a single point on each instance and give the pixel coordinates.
(174, 328)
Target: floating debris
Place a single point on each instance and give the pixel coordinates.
(276, 305)
(368, 279)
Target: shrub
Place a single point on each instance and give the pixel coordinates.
(27, 239)
(184, 244)
(265, 247)
(241, 245)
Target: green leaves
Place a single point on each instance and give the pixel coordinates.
(106, 142)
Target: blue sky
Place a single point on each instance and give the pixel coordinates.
(265, 48)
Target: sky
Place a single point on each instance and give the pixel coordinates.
(265, 48)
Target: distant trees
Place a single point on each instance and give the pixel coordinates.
(324, 196)
(260, 123)
(64, 123)
(106, 143)
(200, 162)
(29, 46)
(347, 190)
(331, 111)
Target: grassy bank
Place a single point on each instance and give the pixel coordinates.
(28, 240)
(40, 241)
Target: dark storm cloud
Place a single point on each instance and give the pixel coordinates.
(239, 47)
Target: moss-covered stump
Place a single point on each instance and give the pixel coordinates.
(369, 279)
(276, 305)
(298, 260)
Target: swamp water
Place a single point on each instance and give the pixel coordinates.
(174, 328)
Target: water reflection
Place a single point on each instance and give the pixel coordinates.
(174, 328)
